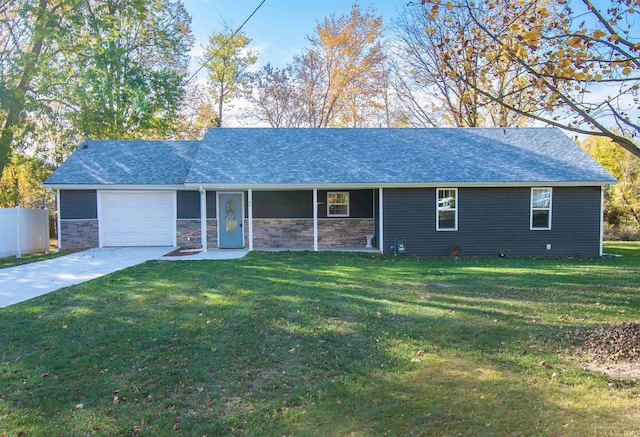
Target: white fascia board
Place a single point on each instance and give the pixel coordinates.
(137, 187)
(372, 185)
(326, 186)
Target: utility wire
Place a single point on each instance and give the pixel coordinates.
(224, 43)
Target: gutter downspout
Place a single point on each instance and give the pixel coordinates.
(315, 219)
(250, 212)
(381, 220)
(58, 221)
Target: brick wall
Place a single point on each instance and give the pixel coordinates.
(77, 234)
(188, 233)
(283, 233)
(344, 233)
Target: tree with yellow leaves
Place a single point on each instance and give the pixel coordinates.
(341, 76)
(228, 59)
(622, 201)
(581, 60)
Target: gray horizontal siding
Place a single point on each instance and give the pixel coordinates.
(211, 205)
(299, 204)
(360, 203)
(283, 204)
(78, 204)
(188, 204)
(494, 220)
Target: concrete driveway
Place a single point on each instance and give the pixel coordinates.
(27, 281)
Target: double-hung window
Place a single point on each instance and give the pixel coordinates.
(541, 209)
(447, 209)
(338, 204)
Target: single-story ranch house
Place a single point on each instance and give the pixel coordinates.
(433, 192)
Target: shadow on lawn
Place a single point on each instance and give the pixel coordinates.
(290, 343)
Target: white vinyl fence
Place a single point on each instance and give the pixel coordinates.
(23, 231)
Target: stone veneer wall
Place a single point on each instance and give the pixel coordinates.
(344, 233)
(212, 232)
(188, 233)
(186, 228)
(76, 234)
(283, 233)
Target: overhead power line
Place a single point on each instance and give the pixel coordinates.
(224, 43)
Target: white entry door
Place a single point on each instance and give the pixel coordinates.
(137, 218)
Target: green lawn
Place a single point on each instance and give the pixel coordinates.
(12, 261)
(322, 344)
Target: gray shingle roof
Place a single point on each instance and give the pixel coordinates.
(264, 156)
(343, 156)
(127, 162)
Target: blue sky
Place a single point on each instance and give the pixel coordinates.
(279, 28)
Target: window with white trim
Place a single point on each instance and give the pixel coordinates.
(338, 204)
(541, 209)
(446, 209)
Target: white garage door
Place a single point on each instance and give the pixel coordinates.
(137, 218)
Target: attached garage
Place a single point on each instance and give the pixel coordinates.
(137, 218)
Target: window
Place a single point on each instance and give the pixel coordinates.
(338, 204)
(540, 208)
(447, 209)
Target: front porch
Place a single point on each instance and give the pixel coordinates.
(314, 219)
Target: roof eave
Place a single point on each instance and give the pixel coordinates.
(324, 185)
(321, 186)
(114, 186)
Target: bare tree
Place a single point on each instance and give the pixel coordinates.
(274, 97)
(437, 76)
(198, 113)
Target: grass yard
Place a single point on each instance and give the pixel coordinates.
(12, 261)
(322, 344)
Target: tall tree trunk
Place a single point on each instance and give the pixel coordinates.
(17, 100)
(219, 123)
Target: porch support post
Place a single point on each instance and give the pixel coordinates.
(203, 218)
(59, 231)
(315, 219)
(250, 205)
(380, 220)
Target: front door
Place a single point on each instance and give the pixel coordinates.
(230, 220)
